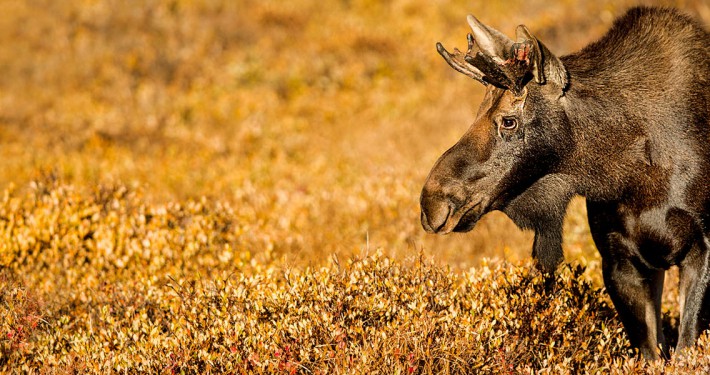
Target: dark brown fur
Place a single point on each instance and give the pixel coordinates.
(625, 122)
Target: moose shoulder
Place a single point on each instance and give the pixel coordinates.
(624, 122)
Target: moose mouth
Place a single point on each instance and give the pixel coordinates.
(469, 219)
(463, 219)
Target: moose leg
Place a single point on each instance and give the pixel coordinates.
(547, 248)
(636, 293)
(542, 208)
(634, 286)
(694, 296)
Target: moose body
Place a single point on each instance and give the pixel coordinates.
(624, 122)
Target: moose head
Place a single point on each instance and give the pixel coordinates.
(519, 135)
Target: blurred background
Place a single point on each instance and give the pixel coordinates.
(317, 120)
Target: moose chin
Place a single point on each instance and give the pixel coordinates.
(625, 122)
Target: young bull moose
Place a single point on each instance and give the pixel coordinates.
(625, 122)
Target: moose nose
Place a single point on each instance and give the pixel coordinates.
(435, 212)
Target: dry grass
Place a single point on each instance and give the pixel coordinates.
(180, 176)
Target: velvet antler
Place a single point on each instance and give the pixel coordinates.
(493, 58)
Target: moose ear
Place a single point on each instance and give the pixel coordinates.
(547, 68)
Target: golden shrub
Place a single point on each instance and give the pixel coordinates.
(96, 281)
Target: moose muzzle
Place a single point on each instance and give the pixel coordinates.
(450, 208)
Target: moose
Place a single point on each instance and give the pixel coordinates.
(625, 122)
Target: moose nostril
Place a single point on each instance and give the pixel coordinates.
(434, 215)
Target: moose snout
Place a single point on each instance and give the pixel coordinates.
(435, 212)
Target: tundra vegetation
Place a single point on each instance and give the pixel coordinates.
(232, 187)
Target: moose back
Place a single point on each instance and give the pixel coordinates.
(625, 122)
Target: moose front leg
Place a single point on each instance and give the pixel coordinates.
(636, 292)
(547, 247)
(634, 286)
(542, 207)
(694, 295)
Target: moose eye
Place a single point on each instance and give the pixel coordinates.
(509, 123)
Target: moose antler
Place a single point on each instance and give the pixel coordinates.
(483, 68)
(492, 58)
(458, 61)
(510, 74)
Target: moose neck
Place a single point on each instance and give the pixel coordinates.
(611, 150)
